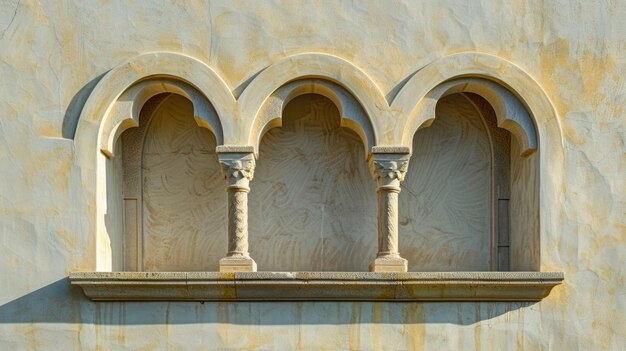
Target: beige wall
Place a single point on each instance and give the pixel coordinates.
(55, 52)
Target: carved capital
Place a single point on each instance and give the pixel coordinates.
(389, 169)
(237, 168)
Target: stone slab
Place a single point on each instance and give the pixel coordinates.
(317, 286)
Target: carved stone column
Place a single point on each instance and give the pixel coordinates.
(388, 166)
(238, 168)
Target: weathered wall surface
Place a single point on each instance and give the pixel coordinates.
(54, 53)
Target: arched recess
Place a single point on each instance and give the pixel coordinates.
(312, 201)
(172, 192)
(106, 114)
(314, 65)
(521, 103)
(513, 208)
(351, 112)
(446, 202)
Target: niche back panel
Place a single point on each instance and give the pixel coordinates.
(179, 189)
(313, 201)
(445, 203)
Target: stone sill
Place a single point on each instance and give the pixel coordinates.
(316, 286)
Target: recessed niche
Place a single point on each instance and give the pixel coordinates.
(174, 203)
(312, 201)
(468, 202)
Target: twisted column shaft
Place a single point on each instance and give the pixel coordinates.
(388, 223)
(237, 222)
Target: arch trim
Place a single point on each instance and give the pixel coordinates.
(350, 111)
(125, 111)
(314, 65)
(510, 113)
(477, 65)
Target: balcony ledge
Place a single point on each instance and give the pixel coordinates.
(316, 286)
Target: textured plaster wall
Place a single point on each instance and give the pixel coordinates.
(53, 53)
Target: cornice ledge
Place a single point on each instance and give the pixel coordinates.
(316, 286)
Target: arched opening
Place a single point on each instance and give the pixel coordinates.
(171, 190)
(469, 201)
(313, 201)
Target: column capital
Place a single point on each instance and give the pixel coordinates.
(389, 169)
(237, 168)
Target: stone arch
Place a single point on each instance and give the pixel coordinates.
(510, 113)
(350, 111)
(106, 114)
(521, 106)
(512, 80)
(314, 65)
(125, 112)
(157, 65)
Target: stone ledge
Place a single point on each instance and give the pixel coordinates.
(316, 286)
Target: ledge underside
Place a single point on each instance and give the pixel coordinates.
(316, 286)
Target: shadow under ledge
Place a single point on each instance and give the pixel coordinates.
(316, 286)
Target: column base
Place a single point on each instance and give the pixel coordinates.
(389, 264)
(237, 264)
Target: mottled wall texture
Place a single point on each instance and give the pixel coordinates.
(313, 200)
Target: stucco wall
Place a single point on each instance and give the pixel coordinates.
(53, 54)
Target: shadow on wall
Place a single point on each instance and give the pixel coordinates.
(59, 302)
(72, 114)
